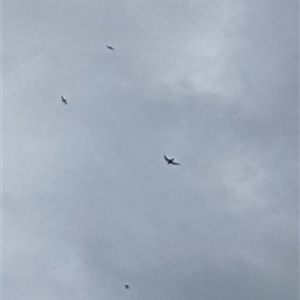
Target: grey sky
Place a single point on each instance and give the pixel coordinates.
(89, 204)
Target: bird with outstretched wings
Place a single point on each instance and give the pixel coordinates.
(64, 100)
(171, 161)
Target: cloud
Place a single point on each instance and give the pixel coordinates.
(88, 202)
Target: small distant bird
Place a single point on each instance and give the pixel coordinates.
(127, 286)
(171, 161)
(64, 100)
(110, 47)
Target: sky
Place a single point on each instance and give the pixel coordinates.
(88, 202)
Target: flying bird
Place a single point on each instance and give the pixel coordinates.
(127, 286)
(171, 161)
(64, 100)
(110, 47)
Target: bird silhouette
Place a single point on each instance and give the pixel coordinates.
(110, 47)
(171, 161)
(64, 100)
(127, 286)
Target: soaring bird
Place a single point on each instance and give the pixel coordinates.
(110, 47)
(64, 100)
(127, 286)
(171, 161)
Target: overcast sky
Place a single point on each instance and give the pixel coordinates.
(89, 204)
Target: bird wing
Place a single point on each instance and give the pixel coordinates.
(167, 159)
(175, 163)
